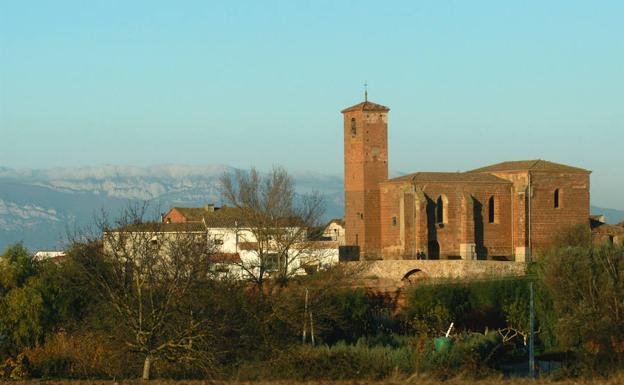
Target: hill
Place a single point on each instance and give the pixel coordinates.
(39, 207)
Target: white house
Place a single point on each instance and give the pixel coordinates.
(237, 252)
(335, 231)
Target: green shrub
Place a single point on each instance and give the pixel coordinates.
(472, 306)
(468, 356)
(584, 286)
(340, 362)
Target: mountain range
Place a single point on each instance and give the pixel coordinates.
(40, 207)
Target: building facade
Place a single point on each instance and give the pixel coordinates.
(236, 244)
(504, 211)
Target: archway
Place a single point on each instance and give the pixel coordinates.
(413, 276)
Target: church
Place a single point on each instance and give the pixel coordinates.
(505, 211)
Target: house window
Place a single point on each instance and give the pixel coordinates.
(218, 241)
(353, 127)
(556, 199)
(442, 209)
(271, 262)
(394, 221)
(491, 210)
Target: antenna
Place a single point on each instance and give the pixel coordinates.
(365, 91)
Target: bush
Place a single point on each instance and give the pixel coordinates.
(337, 362)
(15, 369)
(80, 356)
(584, 285)
(468, 357)
(472, 306)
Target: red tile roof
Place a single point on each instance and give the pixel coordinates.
(530, 165)
(460, 177)
(366, 106)
(225, 257)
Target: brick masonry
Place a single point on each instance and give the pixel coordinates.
(174, 216)
(501, 212)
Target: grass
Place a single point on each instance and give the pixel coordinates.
(415, 380)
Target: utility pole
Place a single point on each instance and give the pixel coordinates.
(305, 318)
(531, 291)
(531, 331)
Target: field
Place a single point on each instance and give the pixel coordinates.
(618, 380)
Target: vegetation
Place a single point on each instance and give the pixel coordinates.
(103, 312)
(278, 222)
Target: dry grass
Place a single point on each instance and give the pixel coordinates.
(617, 380)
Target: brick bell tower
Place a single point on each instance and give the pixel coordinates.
(366, 165)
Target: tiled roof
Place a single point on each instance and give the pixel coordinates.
(220, 217)
(248, 245)
(228, 217)
(338, 221)
(459, 177)
(532, 165)
(225, 257)
(605, 228)
(160, 227)
(316, 245)
(366, 106)
(312, 245)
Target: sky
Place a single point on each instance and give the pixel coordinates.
(262, 83)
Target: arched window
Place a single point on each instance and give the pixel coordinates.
(353, 127)
(442, 209)
(491, 210)
(556, 199)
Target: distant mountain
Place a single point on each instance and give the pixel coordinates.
(39, 207)
(612, 215)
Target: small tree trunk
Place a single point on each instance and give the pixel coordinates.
(146, 367)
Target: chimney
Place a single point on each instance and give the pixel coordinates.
(210, 207)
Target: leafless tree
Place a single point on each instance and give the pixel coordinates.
(276, 220)
(148, 275)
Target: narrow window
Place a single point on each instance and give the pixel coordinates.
(556, 199)
(491, 210)
(442, 209)
(439, 210)
(394, 221)
(353, 127)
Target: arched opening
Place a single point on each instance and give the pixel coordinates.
(491, 210)
(353, 127)
(442, 209)
(556, 199)
(413, 276)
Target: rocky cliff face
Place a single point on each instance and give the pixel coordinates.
(39, 207)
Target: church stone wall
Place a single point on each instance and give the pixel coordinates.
(410, 224)
(546, 220)
(395, 271)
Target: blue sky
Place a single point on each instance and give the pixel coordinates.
(260, 83)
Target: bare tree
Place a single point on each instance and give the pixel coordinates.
(148, 273)
(274, 221)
